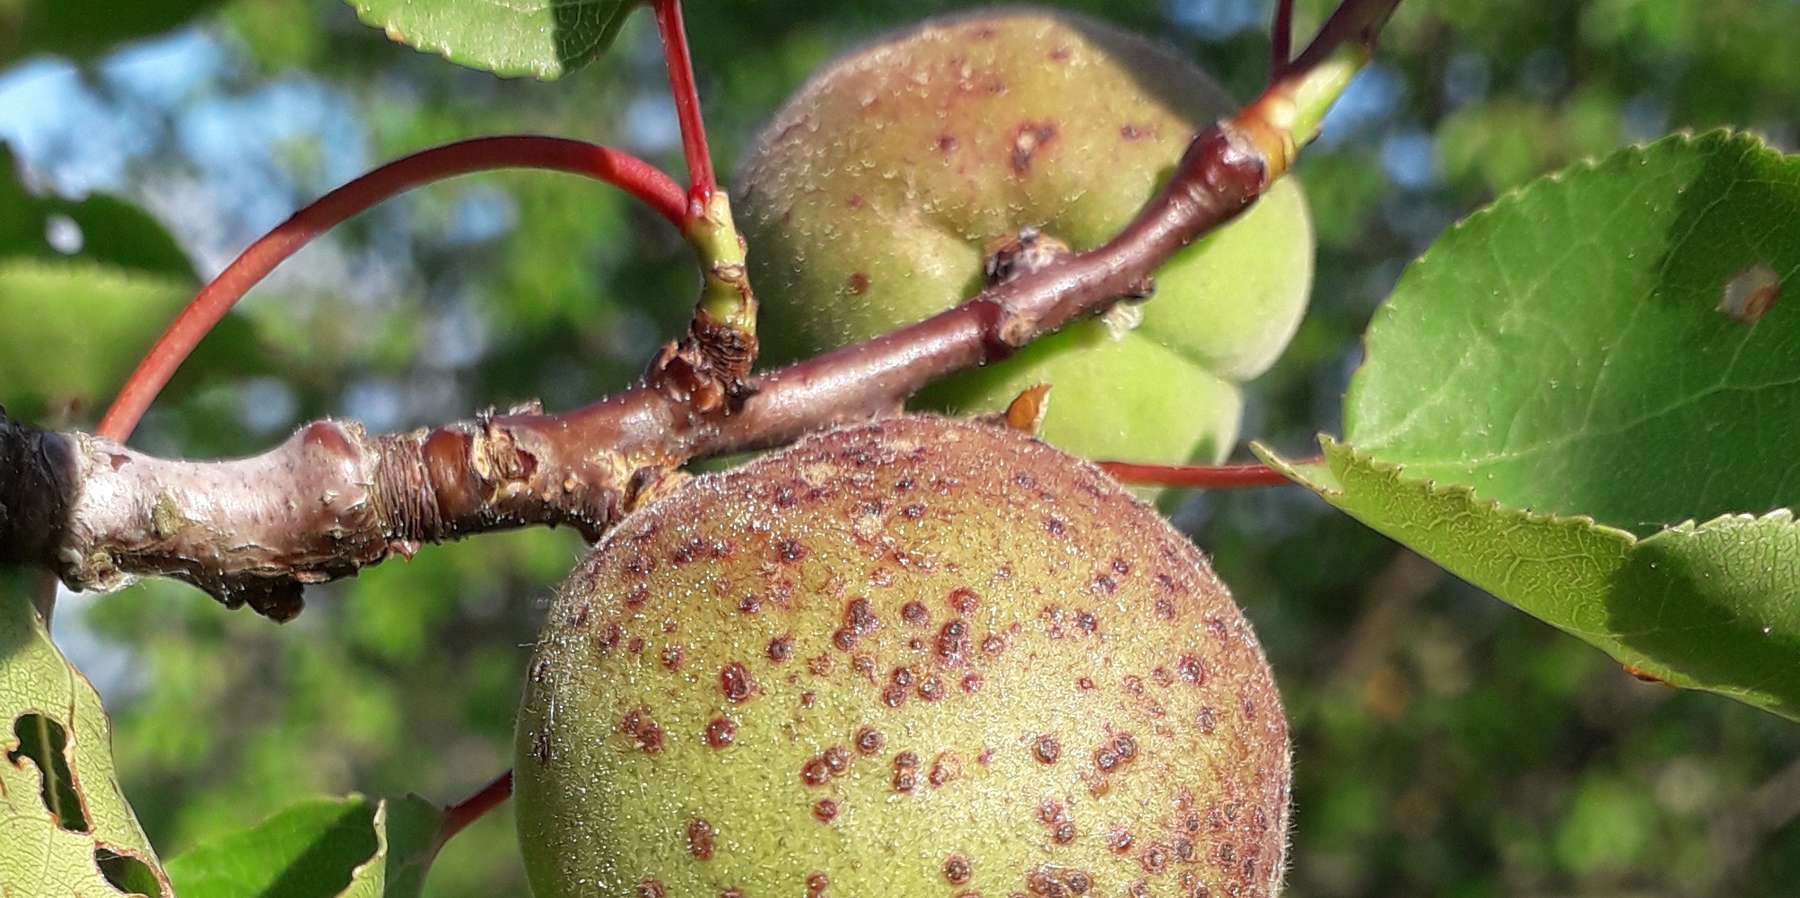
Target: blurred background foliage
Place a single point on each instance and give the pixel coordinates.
(1445, 744)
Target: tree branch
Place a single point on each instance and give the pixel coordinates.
(333, 499)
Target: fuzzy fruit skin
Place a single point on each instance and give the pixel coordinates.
(920, 657)
(873, 198)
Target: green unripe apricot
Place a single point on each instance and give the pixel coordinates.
(920, 658)
(878, 194)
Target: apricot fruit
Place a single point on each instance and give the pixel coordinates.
(918, 658)
(892, 186)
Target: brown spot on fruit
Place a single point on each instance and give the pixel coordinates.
(825, 810)
(720, 732)
(915, 613)
(945, 769)
(672, 656)
(700, 839)
(858, 283)
(836, 759)
(869, 740)
(643, 731)
(651, 888)
(1055, 818)
(957, 870)
(1046, 749)
(815, 773)
(736, 684)
(1191, 670)
(1056, 881)
(931, 688)
(780, 649)
(906, 772)
(964, 600)
(790, 551)
(816, 884)
(1029, 138)
(1155, 859)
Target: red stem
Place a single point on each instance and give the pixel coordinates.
(624, 171)
(1282, 37)
(1204, 477)
(701, 183)
(457, 817)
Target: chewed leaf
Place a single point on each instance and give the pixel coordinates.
(1607, 342)
(1714, 607)
(65, 827)
(353, 847)
(540, 38)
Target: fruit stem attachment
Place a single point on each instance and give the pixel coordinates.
(1287, 114)
(1202, 477)
(633, 175)
(709, 367)
(701, 183)
(457, 817)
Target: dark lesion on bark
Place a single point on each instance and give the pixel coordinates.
(37, 475)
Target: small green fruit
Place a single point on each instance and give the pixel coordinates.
(878, 196)
(920, 658)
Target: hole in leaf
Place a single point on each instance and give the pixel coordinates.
(127, 873)
(43, 740)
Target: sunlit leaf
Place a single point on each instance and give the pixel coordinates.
(540, 38)
(1570, 379)
(78, 316)
(353, 847)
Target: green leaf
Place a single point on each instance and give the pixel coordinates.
(1566, 351)
(84, 28)
(65, 826)
(353, 847)
(86, 322)
(110, 230)
(1571, 378)
(541, 38)
(91, 311)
